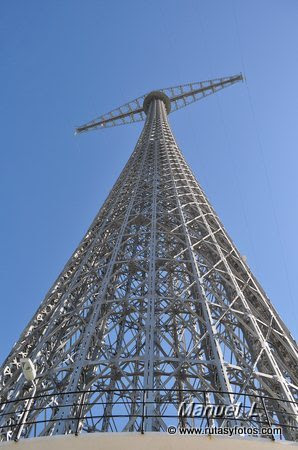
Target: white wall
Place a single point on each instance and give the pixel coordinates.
(147, 441)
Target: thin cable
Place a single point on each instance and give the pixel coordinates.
(228, 140)
(77, 144)
(263, 159)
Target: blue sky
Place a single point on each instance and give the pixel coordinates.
(64, 62)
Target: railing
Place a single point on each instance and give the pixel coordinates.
(141, 410)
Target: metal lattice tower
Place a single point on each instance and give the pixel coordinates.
(156, 301)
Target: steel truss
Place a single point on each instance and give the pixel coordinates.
(155, 297)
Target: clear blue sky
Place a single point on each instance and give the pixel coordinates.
(64, 62)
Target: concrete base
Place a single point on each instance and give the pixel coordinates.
(147, 441)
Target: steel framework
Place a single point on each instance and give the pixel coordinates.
(156, 298)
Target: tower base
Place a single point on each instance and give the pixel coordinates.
(147, 441)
